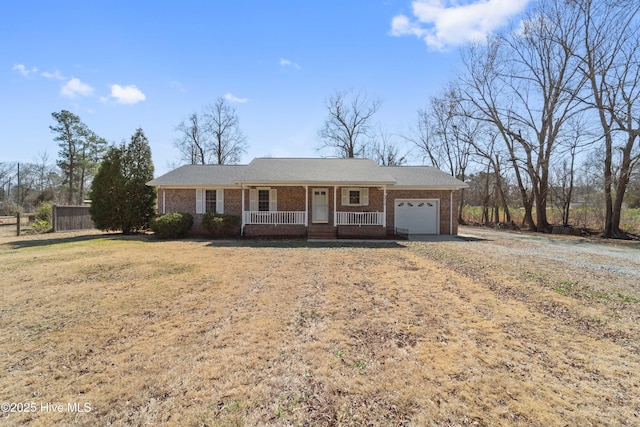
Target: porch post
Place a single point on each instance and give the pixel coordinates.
(384, 207)
(306, 205)
(242, 210)
(164, 200)
(335, 207)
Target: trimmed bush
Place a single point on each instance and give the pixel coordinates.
(172, 225)
(219, 225)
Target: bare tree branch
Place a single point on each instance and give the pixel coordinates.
(347, 127)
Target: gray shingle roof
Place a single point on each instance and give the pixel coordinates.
(271, 171)
(423, 176)
(201, 176)
(318, 170)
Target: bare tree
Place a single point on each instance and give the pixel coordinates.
(385, 150)
(192, 141)
(211, 137)
(526, 84)
(348, 128)
(46, 178)
(609, 59)
(444, 135)
(222, 125)
(7, 172)
(487, 148)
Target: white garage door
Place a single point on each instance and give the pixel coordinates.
(418, 216)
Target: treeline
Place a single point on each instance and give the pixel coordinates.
(66, 180)
(548, 107)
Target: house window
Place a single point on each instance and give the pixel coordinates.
(210, 201)
(263, 200)
(354, 197)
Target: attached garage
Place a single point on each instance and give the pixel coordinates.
(418, 216)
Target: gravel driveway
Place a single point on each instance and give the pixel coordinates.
(575, 251)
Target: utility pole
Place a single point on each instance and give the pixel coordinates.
(18, 189)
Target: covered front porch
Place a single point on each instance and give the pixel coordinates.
(308, 205)
(301, 218)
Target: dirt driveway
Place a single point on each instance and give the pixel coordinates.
(474, 332)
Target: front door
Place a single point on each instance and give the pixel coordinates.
(320, 205)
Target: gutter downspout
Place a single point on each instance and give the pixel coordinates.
(242, 210)
(451, 213)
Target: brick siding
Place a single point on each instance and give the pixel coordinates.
(442, 195)
(354, 231)
(252, 230)
(292, 199)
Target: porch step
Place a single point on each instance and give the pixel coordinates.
(321, 232)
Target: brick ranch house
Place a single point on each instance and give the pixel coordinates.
(316, 197)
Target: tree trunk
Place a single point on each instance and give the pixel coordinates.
(621, 188)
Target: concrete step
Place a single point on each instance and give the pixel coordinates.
(321, 232)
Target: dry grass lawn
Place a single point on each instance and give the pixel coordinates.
(201, 333)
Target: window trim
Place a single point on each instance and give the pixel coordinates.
(254, 205)
(207, 203)
(201, 202)
(363, 196)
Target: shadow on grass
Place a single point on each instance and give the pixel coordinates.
(473, 239)
(55, 239)
(52, 239)
(303, 243)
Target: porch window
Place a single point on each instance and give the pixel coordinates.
(355, 197)
(263, 200)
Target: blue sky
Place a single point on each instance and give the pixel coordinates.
(120, 65)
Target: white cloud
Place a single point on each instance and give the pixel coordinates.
(232, 98)
(125, 94)
(285, 63)
(177, 85)
(27, 73)
(55, 75)
(75, 87)
(444, 23)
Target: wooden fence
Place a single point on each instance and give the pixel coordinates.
(67, 218)
(12, 225)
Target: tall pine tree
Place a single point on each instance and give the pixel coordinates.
(70, 132)
(80, 153)
(121, 200)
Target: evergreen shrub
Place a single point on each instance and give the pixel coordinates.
(221, 225)
(172, 225)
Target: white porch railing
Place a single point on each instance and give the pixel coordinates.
(360, 218)
(275, 217)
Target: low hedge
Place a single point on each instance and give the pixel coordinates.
(221, 225)
(172, 225)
